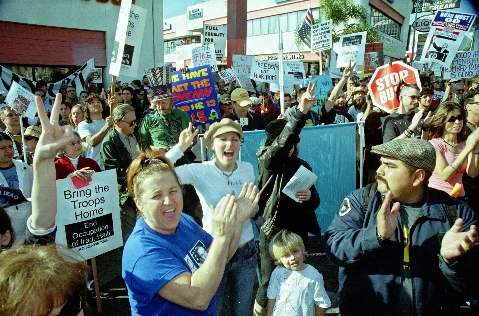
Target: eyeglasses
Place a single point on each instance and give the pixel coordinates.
(452, 119)
(12, 114)
(412, 96)
(132, 123)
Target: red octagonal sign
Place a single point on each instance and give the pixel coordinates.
(384, 83)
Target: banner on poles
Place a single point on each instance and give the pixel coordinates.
(242, 67)
(465, 65)
(76, 79)
(216, 34)
(88, 218)
(205, 55)
(322, 36)
(228, 75)
(194, 93)
(351, 48)
(21, 100)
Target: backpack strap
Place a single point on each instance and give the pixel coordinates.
(451, 212)
(368, 194)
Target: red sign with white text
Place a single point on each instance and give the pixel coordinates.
(385, 81)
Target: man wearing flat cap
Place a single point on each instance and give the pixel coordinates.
(161, 128)
(403, 248)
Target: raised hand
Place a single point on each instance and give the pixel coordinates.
(387, 217)
(83, 173)
(455, 243)
(416, 119)
(307, 99)
(247, 202)
(187, 137)
(225, 217)
(53, 137)
(348, 70)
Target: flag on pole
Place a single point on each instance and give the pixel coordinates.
(304, 31)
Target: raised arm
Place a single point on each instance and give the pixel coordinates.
(52, 139)
(338, 88)
(97, 138)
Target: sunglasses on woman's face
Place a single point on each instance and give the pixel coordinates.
(452, 119)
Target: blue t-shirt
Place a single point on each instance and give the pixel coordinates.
(151, 260)
(10, 175)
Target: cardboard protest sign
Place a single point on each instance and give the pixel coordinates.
(293, 71)
(228, 75)
(465, 65)
(21, 100)
(216, 34)
(446, 36)
(76, 79)
(373, 58)
(264, 71)
(242, 67)
(88, 218)
(120, 38)
(97, 74)
(134, 39)
(322, 36)
(323, 84)
(351, 48)
(194, 93)
(159, 76)
(205, 55)
(385, 81)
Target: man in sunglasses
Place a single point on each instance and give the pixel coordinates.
(404, 122)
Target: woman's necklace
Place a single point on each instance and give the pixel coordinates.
(227, 174)
(451, 145)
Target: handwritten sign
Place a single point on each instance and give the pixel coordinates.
(465, 65)
(194, 93)
(242, 67)
(321, 36)
(228, 75)
(205, 55)
(216, 34)
(351, 49)
(88, 218)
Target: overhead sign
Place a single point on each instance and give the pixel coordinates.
(195, 13)
(351, 48)
(423, 24)
(322, 36)
(216, 34)
(433, 5)
(465, 65)
(385, 81)
(88, 218)
(204, 55)
(194, 92)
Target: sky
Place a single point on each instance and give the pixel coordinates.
(176, 7)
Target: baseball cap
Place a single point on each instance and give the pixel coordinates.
(241, 96)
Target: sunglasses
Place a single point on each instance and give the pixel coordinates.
(30, 138)
(452, 119)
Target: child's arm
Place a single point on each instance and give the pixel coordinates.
(270, 307)
(318, 311)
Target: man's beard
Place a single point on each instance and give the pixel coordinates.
(359, 104)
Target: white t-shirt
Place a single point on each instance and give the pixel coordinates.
(296, 292)
(89, 129)
(211, 184)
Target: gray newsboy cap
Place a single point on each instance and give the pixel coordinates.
(417, 153)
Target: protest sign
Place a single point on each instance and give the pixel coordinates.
(134, 38)
(76, 79)
(351, 48)
(204, 55)
(321, 36)
(446, 36)
(21, 100)
(242, 67)
(294, 71)
(385, 81)
(322, 84)
(264, 71)
(194, 93)
(88, 218)
(228, 75)
(97, 74)
(159, 76)
(373, 58)
(120, 38)
(216, 34)
(465, 65)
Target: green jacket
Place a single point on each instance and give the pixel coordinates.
(116, 156)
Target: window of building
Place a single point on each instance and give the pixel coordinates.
(256, 27)
(273, 25)
(292, 21)
(283, 21)
(249, 28)
(264, 25)
(385, 24)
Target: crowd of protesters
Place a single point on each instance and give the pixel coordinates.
(405, 242)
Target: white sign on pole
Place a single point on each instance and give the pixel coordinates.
(120, 38)
(264, 71)
(216, 34)
(21, 100)
(228, 75)
(88, 217)
(242, 67)
(322, 36)
(204, 55)
(465, 65)
(351, 48)
(134, 38)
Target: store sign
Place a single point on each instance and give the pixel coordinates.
(195, 13)
(433, 5)
(423, 24)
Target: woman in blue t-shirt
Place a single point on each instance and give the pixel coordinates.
(171, 266)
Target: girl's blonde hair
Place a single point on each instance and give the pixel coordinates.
(284, 243)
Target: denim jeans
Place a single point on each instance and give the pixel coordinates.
(235, 294)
